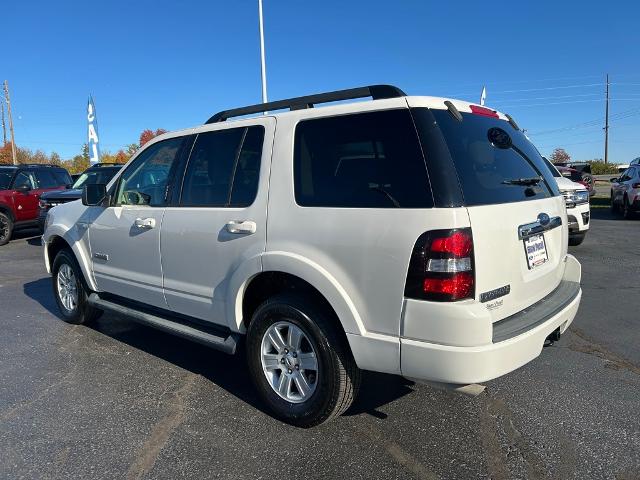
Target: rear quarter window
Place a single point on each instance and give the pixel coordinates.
(485, 169)
(365, 160)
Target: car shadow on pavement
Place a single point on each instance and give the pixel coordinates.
(228, 372)
(40, 291)
(31, 234)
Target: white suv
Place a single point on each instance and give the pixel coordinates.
(576, 197)
(415, 236)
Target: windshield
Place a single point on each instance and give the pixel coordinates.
(6, 175)
(97, 176)
(495, 162)
(552, 168)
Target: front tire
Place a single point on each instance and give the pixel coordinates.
(70, 291)
(6, 228)
(576, 239)
(301, 366)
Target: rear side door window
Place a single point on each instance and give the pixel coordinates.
(364, 160)
(224, 168)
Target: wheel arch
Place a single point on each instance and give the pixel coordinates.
(56, 242)
(283, 271)
(6, 209)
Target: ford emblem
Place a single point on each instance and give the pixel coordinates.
(544, 219)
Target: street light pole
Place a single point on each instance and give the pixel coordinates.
(262, 62)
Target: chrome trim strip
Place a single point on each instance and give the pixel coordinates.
(534, 228)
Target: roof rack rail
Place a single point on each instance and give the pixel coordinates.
(376, 92)
(50, 165)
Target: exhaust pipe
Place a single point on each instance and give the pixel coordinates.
(552, 338)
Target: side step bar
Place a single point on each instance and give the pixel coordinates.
(191, 332)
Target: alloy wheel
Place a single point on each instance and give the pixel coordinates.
(67, 287)
(289, 362)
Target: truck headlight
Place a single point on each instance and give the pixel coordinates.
(575, 197)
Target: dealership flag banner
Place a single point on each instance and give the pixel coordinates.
(483, 96)
(93, 143)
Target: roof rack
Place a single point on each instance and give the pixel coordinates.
(38, 165)
(376, 92)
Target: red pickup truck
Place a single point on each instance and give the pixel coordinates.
(20, 189)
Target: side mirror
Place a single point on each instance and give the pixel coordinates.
(613, 180)
(23, 189)
(94, 194)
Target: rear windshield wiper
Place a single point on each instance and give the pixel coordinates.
(527, 182)
(379, 188)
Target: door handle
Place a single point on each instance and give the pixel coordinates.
(246, 227)
(145, 223)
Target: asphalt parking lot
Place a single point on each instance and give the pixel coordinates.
(119, 400)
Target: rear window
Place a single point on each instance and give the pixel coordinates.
(365, 160)
(490, 164)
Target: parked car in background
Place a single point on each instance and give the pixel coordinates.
(98, 173)
(415, 236)
(575, 175)
(20, 190)
(625, 192)
(576, 198)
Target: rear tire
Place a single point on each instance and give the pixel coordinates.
(627, 212)
(70, 291)
(301, 396)
(6, 228)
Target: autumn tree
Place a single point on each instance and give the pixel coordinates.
(5, 154)
(560, 155)
(147, 135)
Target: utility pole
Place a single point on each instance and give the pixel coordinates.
(13, 141)
(606, 125)
(263, 70)
(4, 127)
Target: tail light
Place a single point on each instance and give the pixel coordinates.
(441, 266)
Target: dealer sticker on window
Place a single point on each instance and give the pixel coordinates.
(536, 251)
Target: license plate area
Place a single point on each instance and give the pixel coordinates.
(535, 249)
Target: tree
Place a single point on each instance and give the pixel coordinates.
(147, 135)
(5, 154)
(133, 148)
(560, 155)
(55, 159)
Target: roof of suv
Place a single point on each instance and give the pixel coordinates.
(376, 92)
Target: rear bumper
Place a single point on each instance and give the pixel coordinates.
(463, 365)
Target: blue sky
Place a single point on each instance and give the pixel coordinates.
(172, 64)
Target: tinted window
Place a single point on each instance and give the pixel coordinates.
(6, 175)
(49, 178)
(146, 179)
(223, 168)
(367, 160)
(247, 172)
(489, 155)
(102, 175)
(554, 171)
(24, 179)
